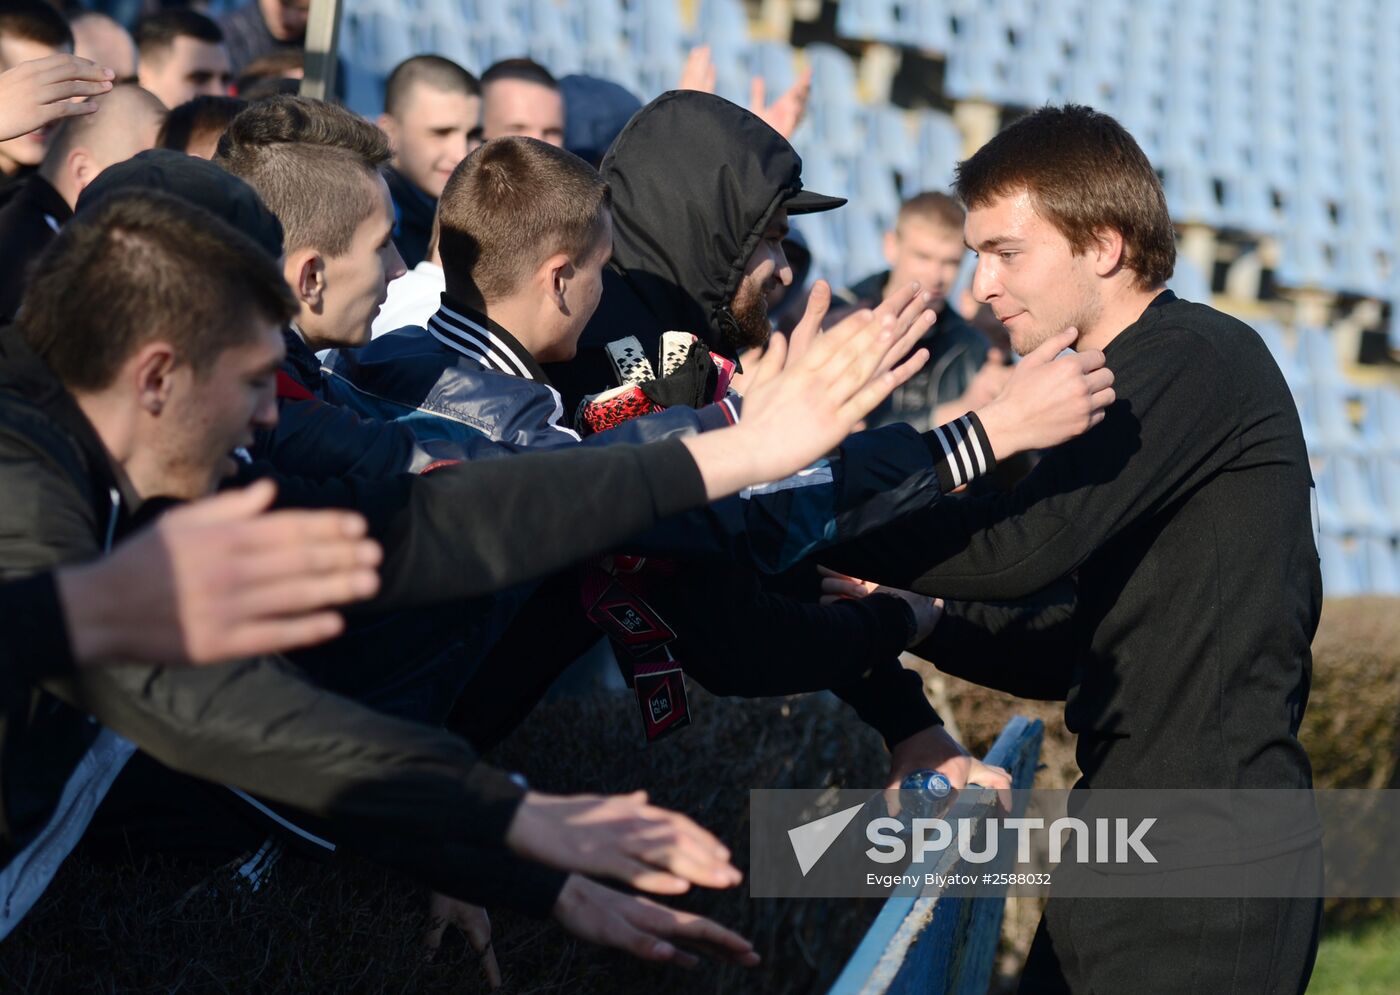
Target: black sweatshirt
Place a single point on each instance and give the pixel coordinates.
(1185, 517)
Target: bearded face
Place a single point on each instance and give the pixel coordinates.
(767, 268)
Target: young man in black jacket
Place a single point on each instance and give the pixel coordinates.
(432, 117)
(1183, 523)
(155, 404)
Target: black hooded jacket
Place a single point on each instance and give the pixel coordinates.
(695, 179)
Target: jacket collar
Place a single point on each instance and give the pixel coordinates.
(476, 336)
(40, 197)
(26, 377)
(301, 363)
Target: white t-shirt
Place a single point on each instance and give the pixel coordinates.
(413, 298)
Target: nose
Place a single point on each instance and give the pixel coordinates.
(984, 282)
(265, 414)
(395, 267)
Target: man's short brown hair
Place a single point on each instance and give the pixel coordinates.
(1085, 174)
(35, 20)
(283, 119)
(935, 208)
(320, 193)
(510, 205)
(146, 266)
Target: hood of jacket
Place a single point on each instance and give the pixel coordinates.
(695, 180)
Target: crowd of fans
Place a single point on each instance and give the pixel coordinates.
(360, 333)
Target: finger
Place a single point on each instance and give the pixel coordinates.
(227, 506)
(58, 68)
(277, 599)
(688, 862)
(921, 326)
(275, 636)
(689, 829)
(818, 306)
(1051, 348)
(868, 398)
(892, 803)
(57, 111)
(55, 92)
(1088, 360)
(757, 91)
(686, 927)
(619, 932)
(1100, 379)
(902, 298)
(995, 357)
(911, 312)
(1102, 399)
(492, 969)
(772, 362)
(432, 939)
(298, 533)
(295, 562)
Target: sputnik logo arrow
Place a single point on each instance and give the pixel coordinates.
(812, 839)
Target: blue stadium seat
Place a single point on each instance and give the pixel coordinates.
(1341, 568)
(1382, 566)
(1354, 488)
(1326, 424)
(940, 148)
(833, 112)
(926, 25)
(870, 20)
(979, 59)
(1293, 371)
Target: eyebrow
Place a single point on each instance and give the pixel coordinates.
(990, 244)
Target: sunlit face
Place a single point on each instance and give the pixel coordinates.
(1027, 273)
(432, 134)
(929, 253)
(519, 107)
(26, 150)
(766, 270)
(357, 282)
(210, 414)
(285, 19)
(581, 296)
(190, 68)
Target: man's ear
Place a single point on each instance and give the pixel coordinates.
(557, 271)
(390, 126)
(1108, 251)
(150, 370)
(891, 247)
(305, 272)
(82, 168)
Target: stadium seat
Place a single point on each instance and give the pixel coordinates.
(1341, 568)
(869, 20)
(1293, 371)
(1382, 566)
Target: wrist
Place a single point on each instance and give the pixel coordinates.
(521, 830)
(92, 630)
(1001, 429)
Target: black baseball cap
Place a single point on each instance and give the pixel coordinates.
(197, 181)
(811, 202)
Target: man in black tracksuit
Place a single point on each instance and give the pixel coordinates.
(1183, 524)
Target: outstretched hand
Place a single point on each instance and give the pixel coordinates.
(37, 93)
(799, 406)
(220, 579)
(645, 929)
(621, 837)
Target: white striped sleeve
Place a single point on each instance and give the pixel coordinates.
(961, 451)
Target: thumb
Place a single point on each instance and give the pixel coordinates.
(757, 92)
(1051, 347)
(231, 506)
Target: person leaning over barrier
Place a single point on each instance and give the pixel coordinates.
(217, 580)
(179, 372)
